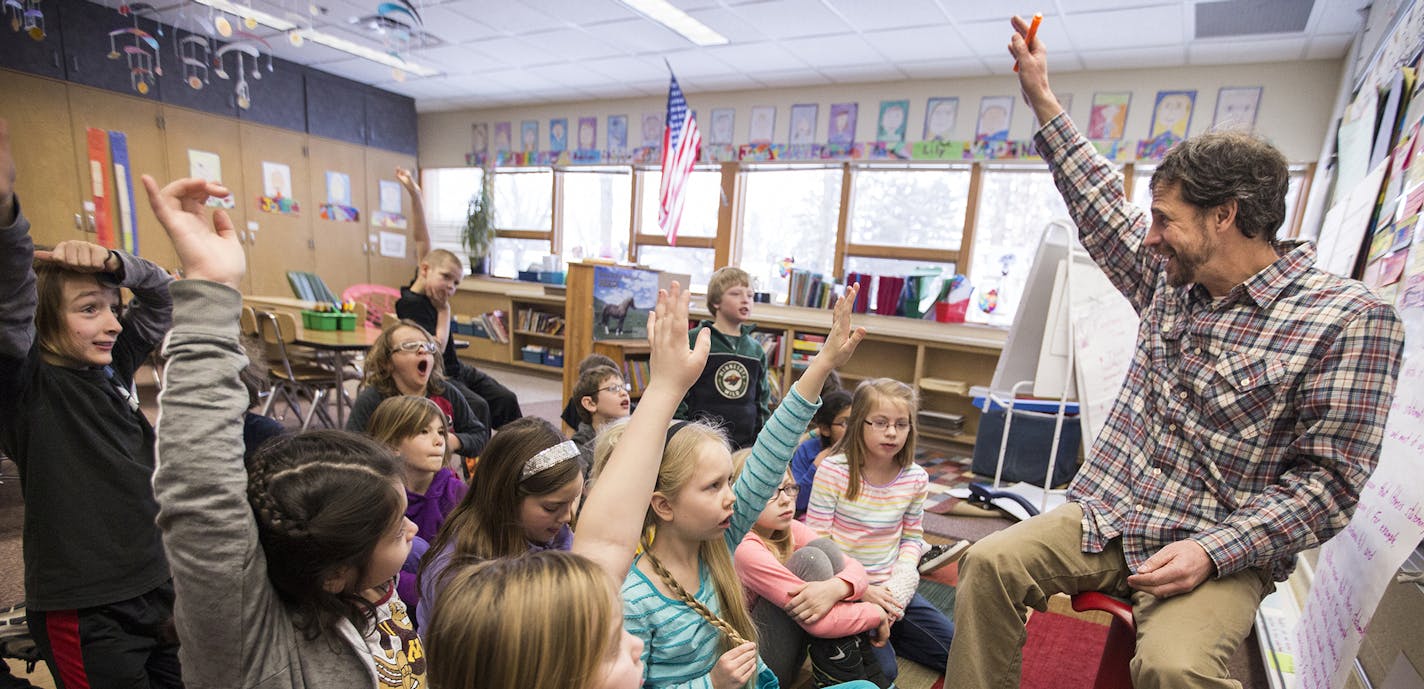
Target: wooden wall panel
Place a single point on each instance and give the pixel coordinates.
(46, 180)
(184, 130)
(341, 249)
(281, 242)
(381, 165)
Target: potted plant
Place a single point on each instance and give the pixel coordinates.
(478, 234)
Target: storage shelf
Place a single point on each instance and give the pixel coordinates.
(552, 370)
(961, 438)
(948, 387)
(542, 336)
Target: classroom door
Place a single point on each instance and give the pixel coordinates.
(339, 170)
(200, 145)
(46, 180)
(138, 119)
(279, 239)
(383, 269)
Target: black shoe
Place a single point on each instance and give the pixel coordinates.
(870, 669)
(940, 555)
(834, 661)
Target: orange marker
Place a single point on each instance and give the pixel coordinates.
(1032, 31)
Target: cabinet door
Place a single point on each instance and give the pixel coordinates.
(194, 137)
(138, 120)
(388, 270)
(340, 246)
(46, 181)
(280, 241)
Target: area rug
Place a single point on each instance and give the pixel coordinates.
(947, 469)
(1061, 653)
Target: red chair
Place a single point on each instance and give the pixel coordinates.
(378, 299)
(1114, 668)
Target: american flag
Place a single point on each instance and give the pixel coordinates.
(680, 143)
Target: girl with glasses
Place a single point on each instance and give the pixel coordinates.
(405, 360)
(870, 499)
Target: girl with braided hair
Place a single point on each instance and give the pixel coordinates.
(682, 597)
(284, 572)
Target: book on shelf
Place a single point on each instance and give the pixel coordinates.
(635, 374)
(533, 320)
(494, 326)
(810, 289)
(773, 343)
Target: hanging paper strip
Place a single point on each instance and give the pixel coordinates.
(102, 187)
(123, 186)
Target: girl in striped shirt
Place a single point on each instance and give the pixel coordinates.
(869, 497)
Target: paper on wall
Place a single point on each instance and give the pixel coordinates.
(392, 245)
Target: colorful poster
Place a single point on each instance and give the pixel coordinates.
(587, 134)
(1236, 108)
(723, 120)
(529, 136)
(479, 138)
(1171, 118)
(653, 129)
(618, 133)
(338, 199)
(763, 124)
(842, 128)
(994, 117)
(890, 127)
(803, 124)
(621, 300)
(503, 137)
(559, 134)
(277, 190)
(389, 214)
(102, 186)
(1108, 118)
(207, 165)
(941, 114)
(123, 190)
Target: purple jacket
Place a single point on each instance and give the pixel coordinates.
(428, 511)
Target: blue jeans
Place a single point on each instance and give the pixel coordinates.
(922, 635)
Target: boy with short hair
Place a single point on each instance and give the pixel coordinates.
(427, 302)
(734, 389)
(601, 396)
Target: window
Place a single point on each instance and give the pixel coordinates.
(523, 198)
(447, 202)
(910, 207)
(702, 202)
(509, 256)
(699, 263)
(789, 214)
(900, 268)
(1015, 204)
(595, 213)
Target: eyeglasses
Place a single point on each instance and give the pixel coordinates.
(883, 424)
(791, 491)
(616, 388)
(425, 346)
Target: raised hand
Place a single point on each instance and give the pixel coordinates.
(407, 180)
(80, 257)
(1033, 71)
(673, 365)
(207, 252)
(843, 339)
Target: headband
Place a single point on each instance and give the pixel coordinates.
(673, 429)
(549, 457)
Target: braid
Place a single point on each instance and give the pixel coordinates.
(667, 578)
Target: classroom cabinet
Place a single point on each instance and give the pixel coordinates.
(47, 182)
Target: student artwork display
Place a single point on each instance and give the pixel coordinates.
(841, 133)
(479, 138)
(763, 124)
(208, 165)
(277, 190)
(338, 199)
(802, 131)
(26, 16)
(617, 133)
(621, 300)
(890, 126)
(941, 114)
(653, 130)
(389, 214)
(991, 132)
(586, 141)
(1108, 117)
(723, 121)
(1171, 118)
(559, 134)
(503, 137)
(391, 244)
(1236, 108)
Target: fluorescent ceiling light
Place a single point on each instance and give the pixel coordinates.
(326, 39)
(662, 12)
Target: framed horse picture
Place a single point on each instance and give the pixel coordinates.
(622, 298)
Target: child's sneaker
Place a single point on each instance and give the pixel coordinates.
(940, 555)
(834, 661)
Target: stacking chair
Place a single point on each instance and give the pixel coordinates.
(379, 300)
(294, 381)
(1114, 671)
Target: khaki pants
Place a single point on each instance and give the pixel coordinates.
(1182, 641)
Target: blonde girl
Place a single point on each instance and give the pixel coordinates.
(803, 592)
(682, 596)
(869, 498)
(523, 496)
(286, 569)
(414, 428)
(404, 360)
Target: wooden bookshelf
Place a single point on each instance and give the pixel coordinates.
(632, 357)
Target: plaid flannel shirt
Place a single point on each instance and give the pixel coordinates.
(1247, 423)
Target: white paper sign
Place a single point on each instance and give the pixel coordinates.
(392, 245)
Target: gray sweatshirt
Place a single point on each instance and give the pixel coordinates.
(235, 632)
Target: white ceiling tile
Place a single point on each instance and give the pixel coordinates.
(1080, 6)
(583, 12)
(457, 59)
(1138, 27)
(791, 18)
(926, 43)
(697, 63)
(640, 37)
(833, 51)
(1333, 46)
(1337, 16)
(1236, 51)
(944, 69)
(570, 44)
(999, 11)
(705, 84)
(794, 77)
(1172, 56)
(358, 69)
(451, 26)
(726, 22)
(866, 74)
(749, 57)
(990, 40)
(871, 16)
(688, 5)
(516, 52)
(625, 69)
(515, 17)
